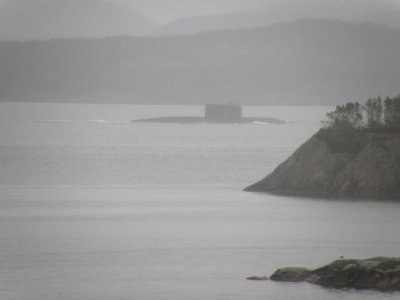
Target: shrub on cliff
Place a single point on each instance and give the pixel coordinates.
(345, 117)
(343, 140)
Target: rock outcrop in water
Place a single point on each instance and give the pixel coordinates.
(334, 163)
(381, 273)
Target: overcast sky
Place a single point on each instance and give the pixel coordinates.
(168, 10)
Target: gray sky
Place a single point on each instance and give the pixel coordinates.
(167, 10)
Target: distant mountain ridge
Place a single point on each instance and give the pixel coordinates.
(46, 19)
(302, 63)
(282, 13)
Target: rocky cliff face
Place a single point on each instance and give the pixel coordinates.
(339, 164)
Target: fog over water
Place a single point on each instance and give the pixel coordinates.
(94, 206)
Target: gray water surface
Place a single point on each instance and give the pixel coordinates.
(94, 207)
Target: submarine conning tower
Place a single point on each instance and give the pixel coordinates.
(223, 113)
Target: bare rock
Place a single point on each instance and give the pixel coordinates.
(259, 278)
(336, 164)
(381, 273)
(291, 274)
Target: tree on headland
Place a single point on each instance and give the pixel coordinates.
(346, 116)
(392, 112)
(373, 115)
(373, 111)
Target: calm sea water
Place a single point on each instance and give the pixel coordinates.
(95, 207)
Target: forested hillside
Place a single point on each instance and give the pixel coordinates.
(305, 62)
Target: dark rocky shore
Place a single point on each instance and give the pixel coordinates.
(358, 163)
(381, 273)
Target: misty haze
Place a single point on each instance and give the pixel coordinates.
(186, 149)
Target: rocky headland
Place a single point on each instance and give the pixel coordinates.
(342, 164)
(381, 273)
